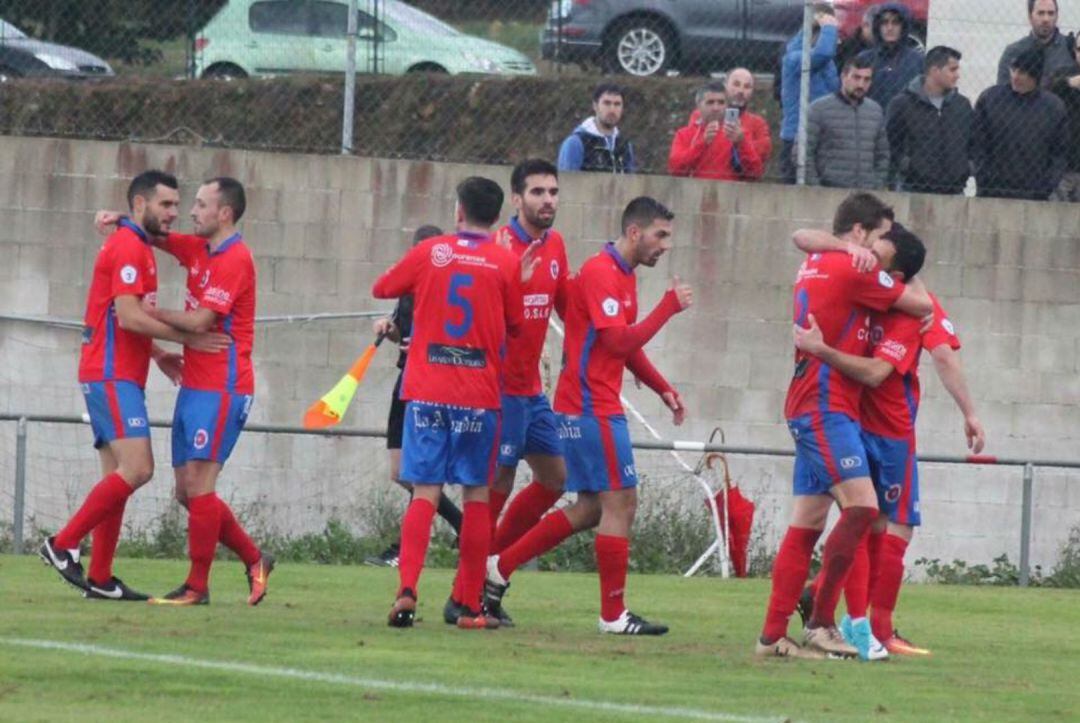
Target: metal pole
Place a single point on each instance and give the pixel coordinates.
(20, 484)
(1025, 525)
(347, 117)
(191, 39)
(804, 92)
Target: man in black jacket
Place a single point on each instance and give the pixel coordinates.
(929, 128)
(1020, 135)
(1045, 36)
(1066, 85)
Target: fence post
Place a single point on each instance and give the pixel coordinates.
(1025, 525)
(349, 109)
(20, 485)
(804, 94)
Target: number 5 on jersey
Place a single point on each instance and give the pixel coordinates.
(459, 282)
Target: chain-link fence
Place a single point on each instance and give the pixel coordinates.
(495, 81)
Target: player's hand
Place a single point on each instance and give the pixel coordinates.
(171, 365)
(404, 345)
(862, 259)
(683, 293)
(976, 435)
(530, 260)
(382, 327)
(809, 339)
(502, 237)
(734, 132)
(103, 220)
(675, 403)
(208, 341)
(711, 129)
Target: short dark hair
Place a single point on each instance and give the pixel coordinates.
(481, 200)
(910, 251)
(862, 61)
(231, 194)
(425, 232)
(1031, 61)
(147, 182)
(861, 208)
(713, 86)
(642, 211)
(1031, 7)
(605, 88)
(530, 167)
(939, 56)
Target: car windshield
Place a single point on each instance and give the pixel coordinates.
(416, 20)
(7, 30)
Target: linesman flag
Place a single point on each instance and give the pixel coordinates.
(328, 411)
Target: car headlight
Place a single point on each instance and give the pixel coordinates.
(56, 62)
(487, 65)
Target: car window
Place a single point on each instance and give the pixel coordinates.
(7, 30)
(416, 20)
(282, 18)
(330, 20)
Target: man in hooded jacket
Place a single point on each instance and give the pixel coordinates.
(897, 59)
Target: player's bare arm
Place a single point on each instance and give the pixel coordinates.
(386, 327)
(915, 300)
(196, 321)
(951, 373)
(133, 317)
(813, 241)
(868, 371)
(529, 261)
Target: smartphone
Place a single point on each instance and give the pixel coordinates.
(731, 116)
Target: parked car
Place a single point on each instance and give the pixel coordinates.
(651, 37)
(23, 56)
(272, 37)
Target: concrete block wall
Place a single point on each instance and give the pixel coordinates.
(323, 228)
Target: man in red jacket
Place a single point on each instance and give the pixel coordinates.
(712, 145)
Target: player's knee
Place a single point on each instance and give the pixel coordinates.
(139, 473)
(181, 496)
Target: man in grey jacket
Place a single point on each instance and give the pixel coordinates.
(846, 144)
(1057, 51)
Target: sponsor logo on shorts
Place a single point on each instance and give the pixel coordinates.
(456, 356)
(610, 306)
(441, 255)
(507, 450)
(628, 471)
(885, 280)
(201, 439)
(569, 431)
(893, 493)
(850, 462)
(136, 422)
(475, 425)
(129, 274)
(85, 388)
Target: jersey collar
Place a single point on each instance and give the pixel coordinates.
(609, 248)
(134, 228)
(522, 235)
(472, 237)
(226, 244)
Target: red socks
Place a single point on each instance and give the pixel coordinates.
(415, 536)
(612, 560)
(105, 538)
(472, 554)
(522, 515)
(204, 521)
(883, 596)
(233, 536)
(857, 586)
(545, 535)
(107, 497)
(496, 501)
(851, 528)
(789, 572)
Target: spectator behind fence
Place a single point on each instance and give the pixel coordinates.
(710, 147)
(596, 144)
(846, 146)
(929, 129)
(859, 41)
(897, 61)
(1020, 134)
(824, 80)
(1056, 49)
(739, 87)
(1066, 85)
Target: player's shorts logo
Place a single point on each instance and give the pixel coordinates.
(850, 462)
(629, 471)
(507, 450)
(136, 422)
(441, 255)
(610, 306)
(893, 493)
(948, 326)
(201, 439)
(554, 269)
(885, 280)
(128, 274)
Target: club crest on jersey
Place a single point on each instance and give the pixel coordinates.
(885, 280)
(893, 493)
(610, 306)
(554, 268)
(948, 326)
(441, 255)
(128, 274)
(201, 439)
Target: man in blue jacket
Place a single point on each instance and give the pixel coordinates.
(824, 79)
(897, 59)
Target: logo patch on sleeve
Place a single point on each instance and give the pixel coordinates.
(610, 306)
(885, 280)
(948, 326)
(129, 274)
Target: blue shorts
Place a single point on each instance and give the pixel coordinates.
(828, 451)
(207, 424)
(599, 457)
(117, 410)
(894, 467)
(444, 444)
(528, 427)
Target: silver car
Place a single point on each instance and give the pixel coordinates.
(43, 58)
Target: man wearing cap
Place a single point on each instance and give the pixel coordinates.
(1020, 134)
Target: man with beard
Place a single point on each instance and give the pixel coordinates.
(597, 144)
(1045, 37)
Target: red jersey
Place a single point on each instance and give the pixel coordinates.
(467, 298)
(545, 290)
(224, 282)
(603, 295)
(840, 298)
(124, 266)
(891, 409)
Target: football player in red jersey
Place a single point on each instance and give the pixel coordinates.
(604, 338)
(117, 347)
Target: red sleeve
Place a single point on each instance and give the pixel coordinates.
(640, 366)
(229, 277)
(603, 296)
(183, 247)
(513, 303)
(762, 139)
(401, 278)
(942, 331)
(875, 290)
(625, 340)
(129, 267)
(899, 344)
(687, 148)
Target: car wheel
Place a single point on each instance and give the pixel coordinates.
(224, 71)
(640, 47)
(427, 68)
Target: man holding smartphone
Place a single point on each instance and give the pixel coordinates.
(714, 143)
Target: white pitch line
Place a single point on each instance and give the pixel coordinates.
(183, 661)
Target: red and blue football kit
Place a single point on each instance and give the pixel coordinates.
(467, 300)
(114, 362)
(822, 406)
(217, 387)
(528, 424)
